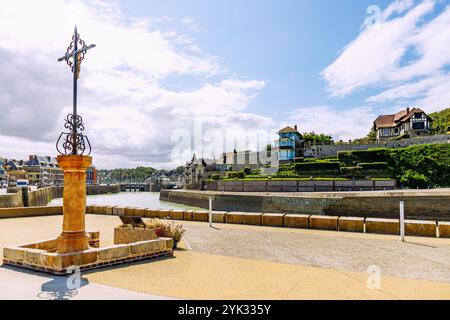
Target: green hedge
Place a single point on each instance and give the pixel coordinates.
(236, 175)
(363, 156)
(421, 165)
(351, 171)
(286, 167)
(374, 166)
(317, 166)
(416, 166)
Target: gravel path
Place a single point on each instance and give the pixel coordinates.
(418, 258)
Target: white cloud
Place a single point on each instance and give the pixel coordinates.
(340, 124)
(191, 24)
(397, 7)
(128, 112)
(400, 50)
(431, 94)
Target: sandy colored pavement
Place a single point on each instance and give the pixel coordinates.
(417, 258)
(192, 275)
(245, 262)
(22, 284)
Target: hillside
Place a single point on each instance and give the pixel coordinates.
(422, 166)
(441, 119)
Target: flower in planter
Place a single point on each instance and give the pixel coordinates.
(177, 231)
(166, 228)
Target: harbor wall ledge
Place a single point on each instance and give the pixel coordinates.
(419, 228)
(21, 197)
(419, 204)
(299, 185)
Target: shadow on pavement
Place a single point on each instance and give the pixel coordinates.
(58, 287)
(420, 244)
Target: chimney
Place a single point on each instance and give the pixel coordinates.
(295, 127)
(407, 110)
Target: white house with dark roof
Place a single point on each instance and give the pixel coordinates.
(406, 123)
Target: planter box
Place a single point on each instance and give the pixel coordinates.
(125, 235)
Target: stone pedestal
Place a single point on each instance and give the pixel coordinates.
(71, 248)
(73, 237)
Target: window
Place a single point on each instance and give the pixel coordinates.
(386, 132)
(418, 115)
(418, 125)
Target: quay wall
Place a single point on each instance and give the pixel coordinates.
(422, 204)
(41, 197)
(299, 185)
(11, 200)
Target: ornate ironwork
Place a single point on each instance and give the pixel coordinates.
(74, 141)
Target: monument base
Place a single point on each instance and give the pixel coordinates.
(43, 256)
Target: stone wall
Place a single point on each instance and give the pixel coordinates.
(102, 189)
(319, 151)
(41, 197)
(22, 212)
(299, 185)
(11, 200)
(379, 204)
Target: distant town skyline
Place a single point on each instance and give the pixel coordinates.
(235, 66)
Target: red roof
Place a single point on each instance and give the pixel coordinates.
(288, 130)
(392, 120)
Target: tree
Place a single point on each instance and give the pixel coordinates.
(441, 121)
(370, 138)
(314, 137)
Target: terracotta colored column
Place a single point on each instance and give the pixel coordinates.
(73, 237)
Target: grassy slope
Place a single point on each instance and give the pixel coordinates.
(441, 120)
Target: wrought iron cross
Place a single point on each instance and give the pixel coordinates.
(74, 141)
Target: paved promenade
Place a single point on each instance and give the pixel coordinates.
(247, 262)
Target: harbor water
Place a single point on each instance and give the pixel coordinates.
(130, 199)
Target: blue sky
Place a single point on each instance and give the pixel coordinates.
(169, 78)
(285, 43)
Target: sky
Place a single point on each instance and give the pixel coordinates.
(173, 77)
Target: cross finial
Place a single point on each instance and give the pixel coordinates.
(74, 141)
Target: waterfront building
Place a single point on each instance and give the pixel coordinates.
(289, 145)
(91, 175)
(2, 171)
(14, 171)
(238, 160)
(199, 169)
(43, 171)
(407, 123)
